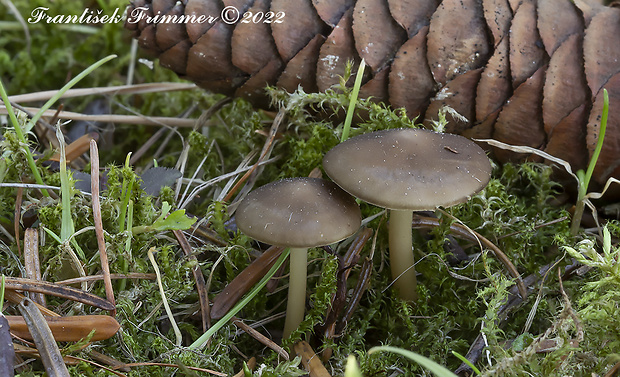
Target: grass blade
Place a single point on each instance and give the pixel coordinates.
(200, 342)
(436, 369)
(62, 90)
(353, 101)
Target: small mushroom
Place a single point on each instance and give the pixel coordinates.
(298, 213)
(406, 170)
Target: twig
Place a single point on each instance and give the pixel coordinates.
(31, 261)
(28, 185)
(76, 148)
(103, 255)
(98, 365)
(110, 361)
(260, 337)
(203, 185)
(115, 118)
(201, 287)
(53, 289)
(345, 265)
(569, 308)
(137, 155)
(131, 365)
(17, 216)
(362, 284)
(267, 148)
(112, 90)
(16, 298)
(133, 275)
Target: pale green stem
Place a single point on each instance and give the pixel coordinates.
(353, 101)
(296, 305)
(160, 284)
(125, 195)
(67, 228)
(401, 254)
(584, 178)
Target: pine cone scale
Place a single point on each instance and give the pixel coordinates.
(300, 70)
(252, 44)
(557, 20)
(527, 53)
(565, 88)
(194, 8)
(495, 85)
(498, 16)
(411, 80)
(301, 26)
(338, 49)
(412, 15)
(520, 119)
(331, 11)
(602, 48)
(377, 35)
(457, 39)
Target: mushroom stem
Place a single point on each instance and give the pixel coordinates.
(401, 254)
(296, 305)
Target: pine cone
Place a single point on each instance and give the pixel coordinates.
(525, 72)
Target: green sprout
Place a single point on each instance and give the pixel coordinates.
(125, 195)
(584, 178)
(466, 361)
(67, 228)
(352, 370)
(176, 220)
(354, 94)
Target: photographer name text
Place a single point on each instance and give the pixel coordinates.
(89, 16)
(228, 15)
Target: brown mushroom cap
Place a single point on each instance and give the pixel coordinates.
(299, 212)
(409, 169)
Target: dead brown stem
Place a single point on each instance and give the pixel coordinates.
(31, 261)
(103, 255)
(260, 337)
(201, 287)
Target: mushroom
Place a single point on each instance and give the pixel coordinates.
(298, 213)
(406, 170)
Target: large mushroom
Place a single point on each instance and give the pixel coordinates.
(406, 170)
(298, 213)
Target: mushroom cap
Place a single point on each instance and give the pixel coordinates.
(299, 212)
(409, 169)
